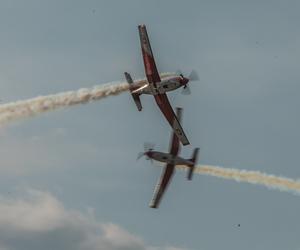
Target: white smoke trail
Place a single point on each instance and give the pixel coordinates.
(253, 177)
(28, 108)
(32, 107)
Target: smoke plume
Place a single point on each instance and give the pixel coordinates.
(253, 177)
(27, 108)
(13, 111)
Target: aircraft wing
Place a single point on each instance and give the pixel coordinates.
(174, 143)
(166, 108)
(162, 185)
(149, 62)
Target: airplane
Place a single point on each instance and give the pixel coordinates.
(158, 87)
(171, 159)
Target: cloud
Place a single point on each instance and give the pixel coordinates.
(40, 221)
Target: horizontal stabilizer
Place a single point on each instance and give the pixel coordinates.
(135, 96)
(192, 167)
(137, 100)
(128, 77)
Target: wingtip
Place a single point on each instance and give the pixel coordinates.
(152, 204)
(186, 143)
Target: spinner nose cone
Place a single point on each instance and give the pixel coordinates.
(149, 154)
(184, 80)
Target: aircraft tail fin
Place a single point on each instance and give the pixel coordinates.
(194, 159)
(135, 96)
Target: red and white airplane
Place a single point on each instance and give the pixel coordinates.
(158, 87)
(171, 159)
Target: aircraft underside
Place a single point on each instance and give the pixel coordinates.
(168, 158)
(161, 87)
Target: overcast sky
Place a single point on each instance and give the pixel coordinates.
(70, 180)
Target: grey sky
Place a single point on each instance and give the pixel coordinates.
(242, 113)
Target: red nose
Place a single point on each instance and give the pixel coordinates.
(184, 80)
(149, 154)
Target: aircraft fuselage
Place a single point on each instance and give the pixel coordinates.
(167, 84)
(168, 158)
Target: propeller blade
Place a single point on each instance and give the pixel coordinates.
(193, 76)
(178, 72)
(148, 146)
(140, 155)
(186, 90)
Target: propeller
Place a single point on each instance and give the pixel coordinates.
(179, 72)
(186, 90)
(147, 147)
(140, 155)
(193, 76)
